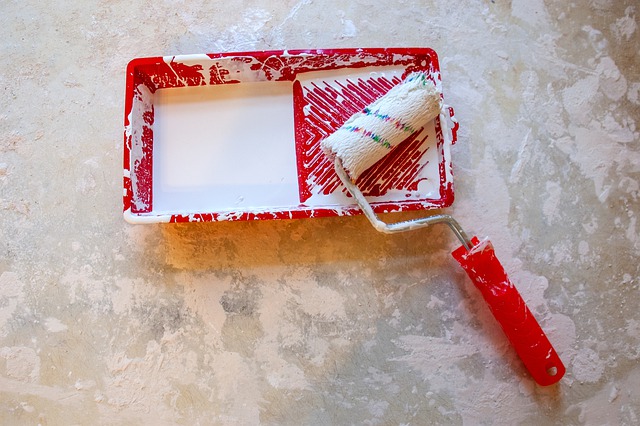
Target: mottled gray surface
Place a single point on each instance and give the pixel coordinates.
(321, 321)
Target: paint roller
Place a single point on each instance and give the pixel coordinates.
(367, 137)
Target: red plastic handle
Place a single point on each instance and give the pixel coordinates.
(508, 307)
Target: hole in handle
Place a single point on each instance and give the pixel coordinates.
(552, 370)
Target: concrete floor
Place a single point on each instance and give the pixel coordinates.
(322, 321)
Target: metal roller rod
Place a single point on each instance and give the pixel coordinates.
(392, 228)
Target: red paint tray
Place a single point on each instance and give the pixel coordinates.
(236, 136)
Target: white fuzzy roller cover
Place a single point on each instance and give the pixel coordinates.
(371, 134)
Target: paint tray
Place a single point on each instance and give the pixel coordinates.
(236, 136)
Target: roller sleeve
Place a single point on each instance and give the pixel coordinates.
(372, 133)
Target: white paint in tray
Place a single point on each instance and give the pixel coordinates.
(224, 147)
